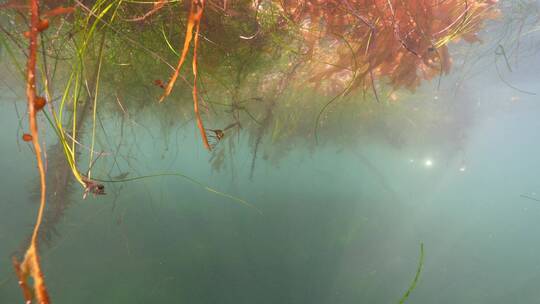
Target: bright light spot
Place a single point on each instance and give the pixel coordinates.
(411, 160)
(462, 169)
(428, 163)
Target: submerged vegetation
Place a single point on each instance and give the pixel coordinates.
(416, 276)
(269, 71)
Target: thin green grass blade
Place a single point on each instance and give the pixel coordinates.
(416, 277)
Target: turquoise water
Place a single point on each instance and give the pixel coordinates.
(325, 225)
(332, 230)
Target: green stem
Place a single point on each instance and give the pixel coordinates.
(416, 277)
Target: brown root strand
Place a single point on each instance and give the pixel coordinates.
(30, 266)
(194, 21)
(195, 99)
(22, 276)
(157, 6)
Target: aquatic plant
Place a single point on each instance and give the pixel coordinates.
(404, 41)
(30, 265)
(416, 276)
(192, 32)
(248, 61)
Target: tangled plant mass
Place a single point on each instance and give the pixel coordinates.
(402, 41)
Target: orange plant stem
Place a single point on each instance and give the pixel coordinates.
(31, 264)
(195, 98)
(194, 21)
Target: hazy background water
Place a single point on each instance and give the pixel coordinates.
(337, 225)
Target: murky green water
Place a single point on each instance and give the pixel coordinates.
(327, 223)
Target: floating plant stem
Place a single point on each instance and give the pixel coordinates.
(507, 83)
(94, 108)
(416, 277)
(190, 179)
(167, 41)
(157, 6)
(342, 93)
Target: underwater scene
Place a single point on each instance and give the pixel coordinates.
(269, 151)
